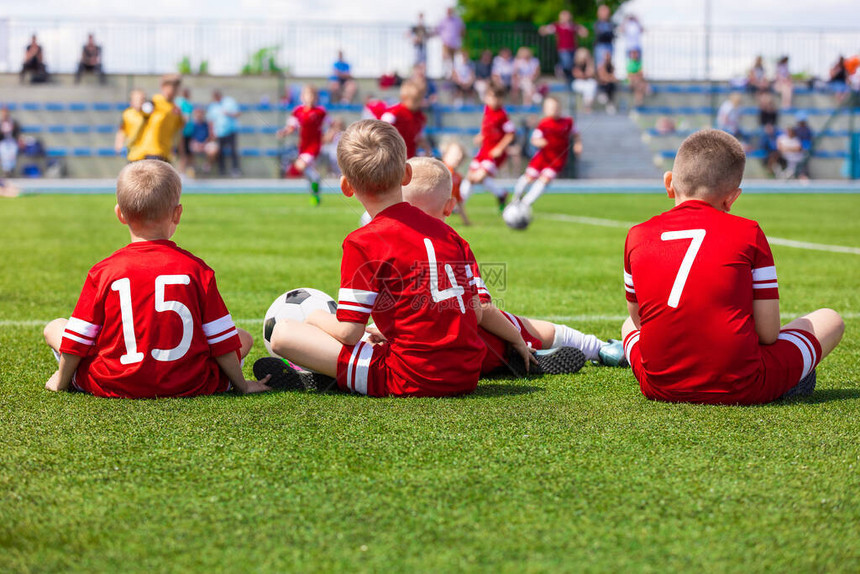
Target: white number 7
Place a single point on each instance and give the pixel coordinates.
(697, 236)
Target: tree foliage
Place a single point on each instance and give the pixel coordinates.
(533, 11)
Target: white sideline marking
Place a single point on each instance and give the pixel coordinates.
(773, 240)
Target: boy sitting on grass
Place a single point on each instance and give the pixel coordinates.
(150, 321)
(702, 293)
(406, 268)
(566, 349)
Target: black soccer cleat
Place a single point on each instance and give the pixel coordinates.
(804, 388)
(558, 361)
(284, 376)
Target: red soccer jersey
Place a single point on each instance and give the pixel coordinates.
(310, 122)
(695, 271)
(556, 132)
(149, 323)
(374, 109)
(414, 274)
(409, 123)
(565, 36)
(494, 126)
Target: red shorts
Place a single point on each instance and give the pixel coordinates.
(487, 163)
(543, 166)
(365, 369)
(497, 348)
(795, 354)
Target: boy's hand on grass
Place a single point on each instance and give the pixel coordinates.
(252, 386)
(526, 352)
(53, 383)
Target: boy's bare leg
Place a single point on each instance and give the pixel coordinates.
(826, 324)
(53, 333)
(307, 346)
(627, 327)
(542, 330)
(247, 342)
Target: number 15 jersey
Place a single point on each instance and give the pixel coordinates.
(695, 271)
(149, 323)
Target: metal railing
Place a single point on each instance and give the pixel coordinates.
(309, 48)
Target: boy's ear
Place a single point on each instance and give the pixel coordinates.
(667, 182)
(407, 175)
(177, 214)
(449, 207)
(346, 187)
(730, 199)
(119, 214)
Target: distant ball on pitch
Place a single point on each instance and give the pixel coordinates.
(297, 305)
(517, 215)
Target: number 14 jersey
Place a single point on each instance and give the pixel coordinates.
(149, 323)
(695, 271)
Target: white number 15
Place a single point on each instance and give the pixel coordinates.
(697, 236)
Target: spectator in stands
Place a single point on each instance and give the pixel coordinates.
(342, 85)
(525, 78)
(636, 78)
(463, 77)
(604, 34)
(163, 122)
(729, 116)
(223, 114)
(34, 62)
(451, 31)
(584, 78)
(803, 131)
(606, 83)
(91, 60)
(10, 142)
(131, 125)
(201, 141)
(852, 69)
(782, 83)
(771, 158)
(419, 33)
(632, 30)
(185, 106)
(767, 112)
(483, 73)
(566, 32)
(757, 81)
(427, 87)
(503, 69)
(838, 81)
(791, 151)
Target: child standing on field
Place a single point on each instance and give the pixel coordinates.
(405, 268)
(552, 138)
(150, 321)
(311, 121)
(497, 133)
(408, 118)
(703, 295)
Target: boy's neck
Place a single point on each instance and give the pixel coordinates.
(155, 232)
(380, 202)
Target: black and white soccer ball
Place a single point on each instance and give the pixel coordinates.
(517, 215)
(297, 305)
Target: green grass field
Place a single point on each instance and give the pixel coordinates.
(565, 473)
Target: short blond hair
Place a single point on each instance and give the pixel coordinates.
(371, 155)
(148, 191)
(709, 163)
(431, 184)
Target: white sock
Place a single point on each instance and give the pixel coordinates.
(568, 337)
(494, 187)
(311, 173)
(520, 187)
(534, 193)
(465, 190)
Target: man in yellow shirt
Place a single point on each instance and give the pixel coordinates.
(159, 133)
(130, 127)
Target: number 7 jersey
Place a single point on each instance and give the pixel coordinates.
(695, 271)
(149, 323)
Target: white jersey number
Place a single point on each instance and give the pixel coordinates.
(132, 355)
(697, 236)
(455, 291)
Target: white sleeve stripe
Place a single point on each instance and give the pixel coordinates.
(388, 117)
(629, 289)
(773, 285)
(357, 296)
(628, 278)
(480, 283)
(218, 325)
(73, 337)
(764, 273)
(82, 327)
(348, 307)
(537, 134)
(224, 337)
(293, 122)
(509, 127)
